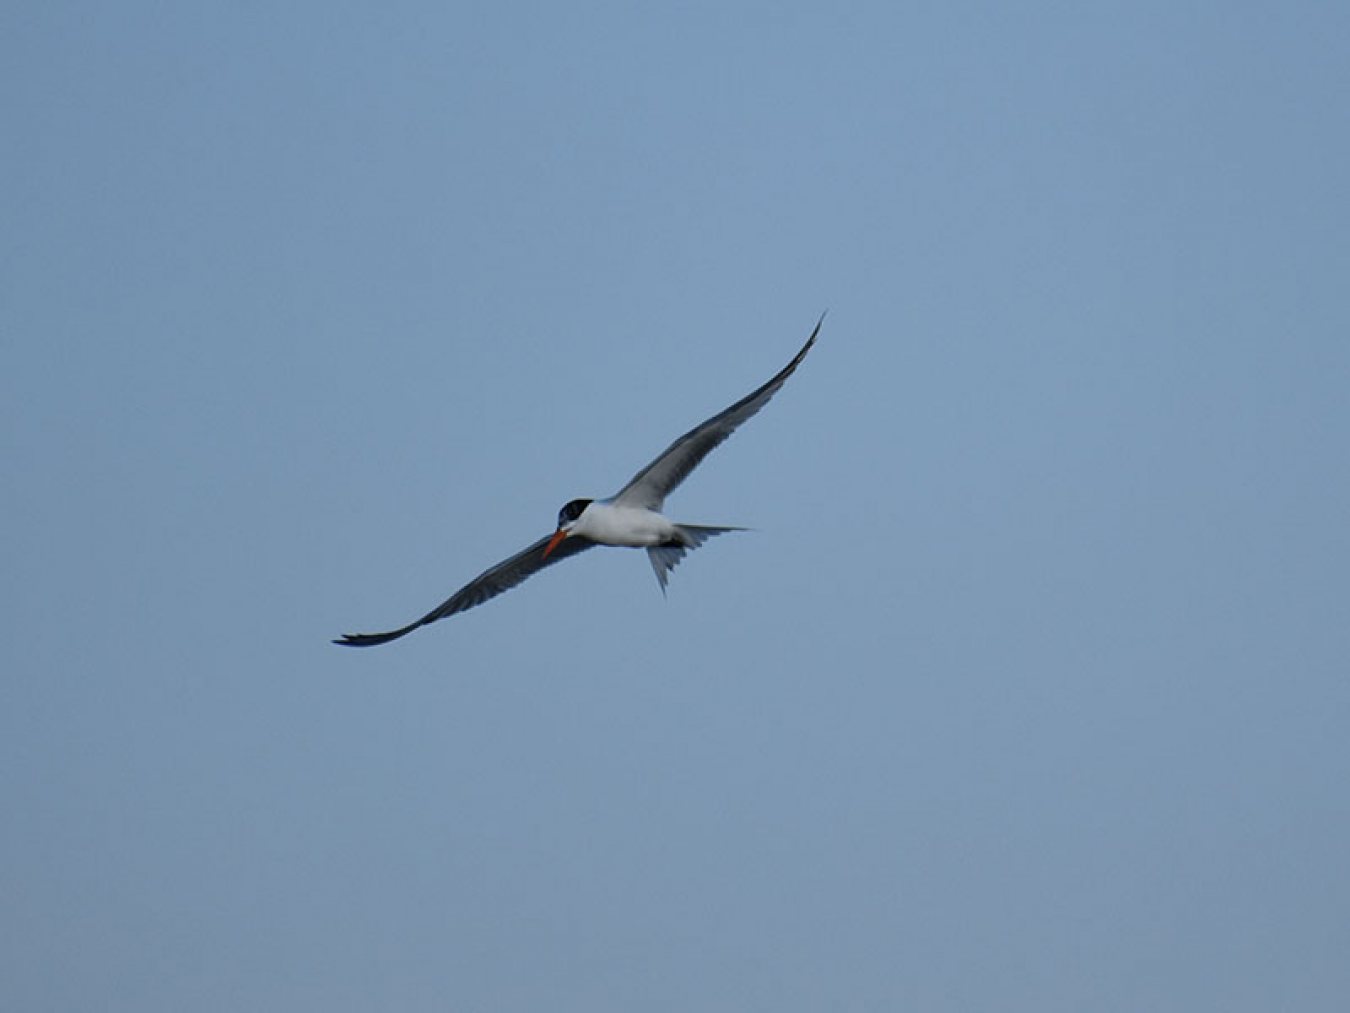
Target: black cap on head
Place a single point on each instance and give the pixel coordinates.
(572, 511)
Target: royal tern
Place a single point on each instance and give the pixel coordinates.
(631, 517)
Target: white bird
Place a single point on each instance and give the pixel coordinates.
(631, 517)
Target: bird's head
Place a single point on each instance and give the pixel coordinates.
(567, 520)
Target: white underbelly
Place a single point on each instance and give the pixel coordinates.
(632, 526)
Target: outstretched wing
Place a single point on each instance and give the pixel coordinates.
(650, 486)
(488, 584)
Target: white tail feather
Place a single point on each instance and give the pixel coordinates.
(665, 557)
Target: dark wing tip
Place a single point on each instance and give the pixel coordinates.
(354, 640)
(371, 639)
(815, 330)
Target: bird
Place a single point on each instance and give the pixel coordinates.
(632, 517)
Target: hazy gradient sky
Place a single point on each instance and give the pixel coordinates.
(1029, 692)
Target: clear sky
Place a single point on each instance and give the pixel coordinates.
(1029, 692)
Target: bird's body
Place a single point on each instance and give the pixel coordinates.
(632, 526)
(631, 518)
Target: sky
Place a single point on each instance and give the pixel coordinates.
(1027, 692)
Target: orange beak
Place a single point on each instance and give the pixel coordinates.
(558, 536)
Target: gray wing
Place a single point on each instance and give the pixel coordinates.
(488, 584)
(650, 486)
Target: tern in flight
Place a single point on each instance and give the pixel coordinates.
(631, 517)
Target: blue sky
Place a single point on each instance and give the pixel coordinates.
(1029, 690)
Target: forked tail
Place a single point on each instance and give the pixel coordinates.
(665, 557)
